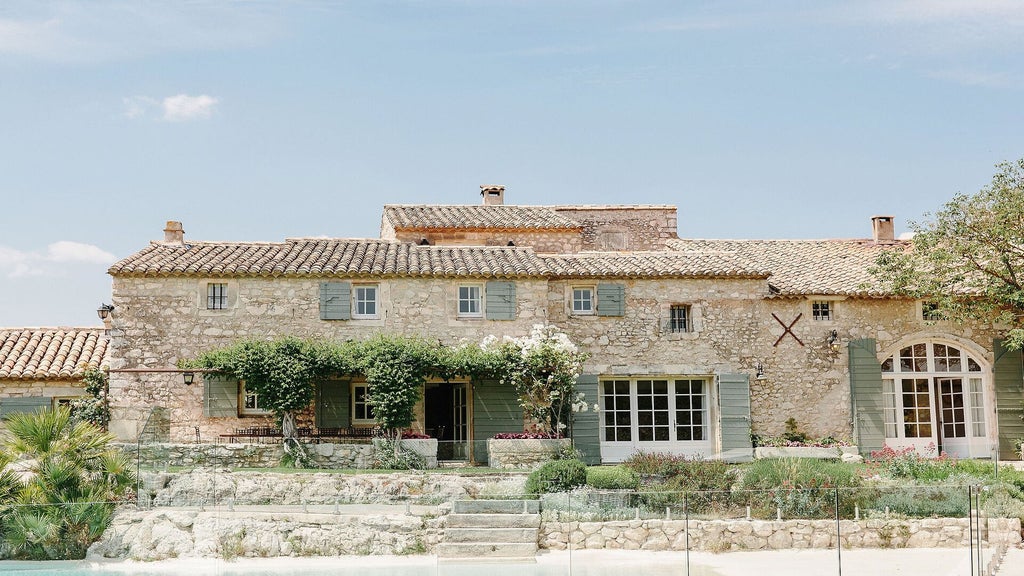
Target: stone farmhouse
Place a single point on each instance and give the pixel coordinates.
(43, 367)
(694, 343)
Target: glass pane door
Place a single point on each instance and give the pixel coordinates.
(918, 424)
(652, 412)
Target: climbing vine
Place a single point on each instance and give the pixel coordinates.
(94, 408)
(543, 367)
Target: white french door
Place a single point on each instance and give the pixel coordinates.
(934, 401)
(654, 415)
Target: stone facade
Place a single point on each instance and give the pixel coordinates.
(325, 455)
(734, 535)
(623, 227)
(738, 321)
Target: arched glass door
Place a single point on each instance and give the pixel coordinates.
(934, 401)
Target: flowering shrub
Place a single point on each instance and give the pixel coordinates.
(783, 442)
(543, 368)
(410, 435)
(907, 463)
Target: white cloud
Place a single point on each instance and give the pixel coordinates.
(184, 107)
(178, 108)
(68, 251)
(19, 264)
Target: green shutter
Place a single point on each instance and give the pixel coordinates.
(611, 300)
(501, 300)
(333, 404)
(734, 415)
(866, 395)
(335, 301)
(220, 396)
(1008, 374)
(586, 434)
(22, 404)
(495, 409)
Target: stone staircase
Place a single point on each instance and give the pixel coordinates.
(491, 531)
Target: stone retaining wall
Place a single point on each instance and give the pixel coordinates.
(523, 453)
(159, 456)
(726, 535)
(162, 534)
(217, 487)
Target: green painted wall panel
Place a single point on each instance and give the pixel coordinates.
(495, 409)
(1008, 375)
(586, 427)
(734, 416)
(866, 395)
(333, 408)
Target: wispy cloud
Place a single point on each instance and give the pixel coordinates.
(104, 30)
(177, 108)
(185, 107)
(19, 264)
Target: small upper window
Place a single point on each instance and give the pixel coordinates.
(365, 301)
(930, 311)
(583, 300)
(821, 310)
(251, 405)
(679, 318)
(470, 300)
(362, 410)
(216, 296)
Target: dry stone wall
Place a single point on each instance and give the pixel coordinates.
(733, 535)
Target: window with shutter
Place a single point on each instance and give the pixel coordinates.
(335, 301)
(501, 300)
(611, 300)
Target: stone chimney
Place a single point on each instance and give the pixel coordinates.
(174, 233)
(492, 194)
(883, 228)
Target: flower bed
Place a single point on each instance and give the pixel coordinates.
(833, 452)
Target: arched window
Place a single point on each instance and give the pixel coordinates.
(934, 399)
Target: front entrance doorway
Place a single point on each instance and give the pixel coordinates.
(445, 418)
(935, 401)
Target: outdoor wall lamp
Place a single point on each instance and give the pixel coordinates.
(104, 311)
(188, 378)
(759, 371)
(833, 341)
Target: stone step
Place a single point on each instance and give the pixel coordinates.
(496, 507)
(481, 551)
(485, 535)
(493, 520)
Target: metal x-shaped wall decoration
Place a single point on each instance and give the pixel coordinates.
(788, 329)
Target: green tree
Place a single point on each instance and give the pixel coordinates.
(968, 258)
(68, 482)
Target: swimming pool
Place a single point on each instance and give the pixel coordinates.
(552, 565)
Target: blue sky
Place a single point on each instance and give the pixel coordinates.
(258, 120)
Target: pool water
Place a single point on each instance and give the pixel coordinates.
(347, 566)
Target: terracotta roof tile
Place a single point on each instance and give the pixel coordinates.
(662, 264)
(50, 353)
(805, 267)
(459, 217)
(301, 257)
(355, 257)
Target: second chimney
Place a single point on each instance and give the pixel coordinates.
(174, 233)
(883, 228)
(492, 194)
